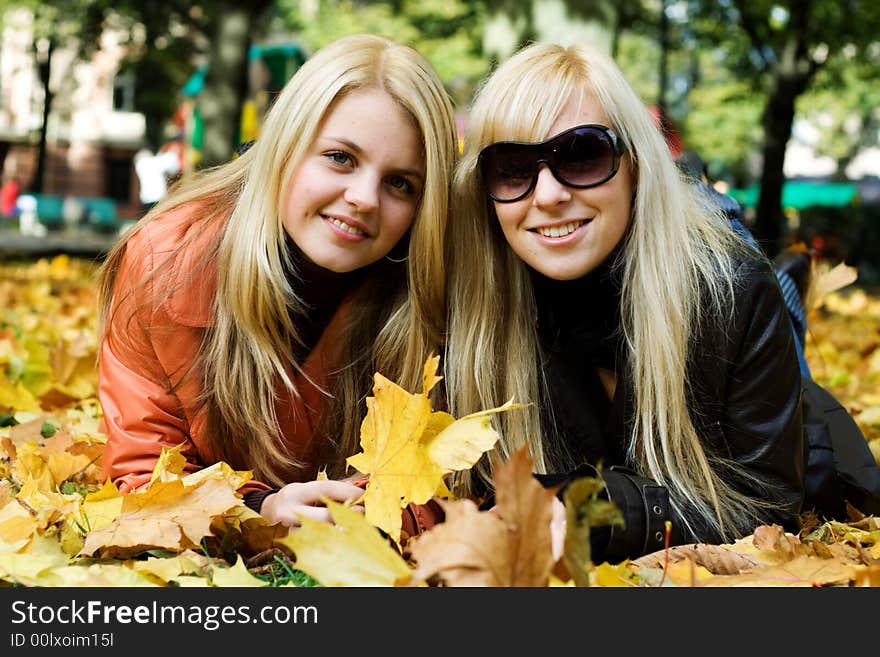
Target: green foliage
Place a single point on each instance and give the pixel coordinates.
(446, 32)
(843, 101)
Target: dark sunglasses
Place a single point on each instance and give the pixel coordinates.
(583, 156)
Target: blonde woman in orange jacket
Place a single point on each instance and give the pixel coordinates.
(244, 315)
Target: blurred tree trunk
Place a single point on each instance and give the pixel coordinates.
(788, 82)
(43, 50)
(225, 87)
(791, 70)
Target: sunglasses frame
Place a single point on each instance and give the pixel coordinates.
(545, 151)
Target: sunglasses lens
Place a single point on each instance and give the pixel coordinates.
(584, 157)
(507, 170)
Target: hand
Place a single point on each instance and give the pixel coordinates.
(305, 500)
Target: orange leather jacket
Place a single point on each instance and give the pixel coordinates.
(149, 397)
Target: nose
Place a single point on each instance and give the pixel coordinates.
(363, 192)
(549, 191)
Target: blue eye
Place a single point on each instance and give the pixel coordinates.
(339, 157)
(401, 184)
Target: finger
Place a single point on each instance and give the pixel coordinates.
(338, 491)
(316, 513)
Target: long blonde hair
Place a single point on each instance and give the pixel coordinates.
(675, 263)
(249, 347)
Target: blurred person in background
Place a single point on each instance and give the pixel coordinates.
(153, 171)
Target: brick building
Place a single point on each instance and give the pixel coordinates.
(92, 132)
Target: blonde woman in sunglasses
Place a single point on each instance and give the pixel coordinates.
(587, 276)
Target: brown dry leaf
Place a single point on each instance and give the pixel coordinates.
(772, 538)
(803, 570)
(870, 576)
(168, 515)
(717, 559)
(825, 281)
(29, 431)
(509, 546)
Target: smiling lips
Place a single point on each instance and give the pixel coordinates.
(348, 228)
(562, 230)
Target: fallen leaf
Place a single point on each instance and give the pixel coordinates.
(510, 546)
(350, 552)
(166, 515)
(826, 281)
(408, 449)
(236, 575)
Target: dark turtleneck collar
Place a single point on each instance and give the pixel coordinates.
(584, 312)
(321, 290)
(316, 285)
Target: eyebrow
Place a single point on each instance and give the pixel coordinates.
(415, 173)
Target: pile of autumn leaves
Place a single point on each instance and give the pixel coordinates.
(61, 525)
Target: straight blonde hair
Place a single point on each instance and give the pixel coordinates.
(248, 349)
(675, 263)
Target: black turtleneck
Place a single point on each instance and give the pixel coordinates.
(579, 329)
(321, 290)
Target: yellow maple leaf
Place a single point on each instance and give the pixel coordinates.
(350, 552)
(167, 515)
(64, 465)
(101, 508)
(222, 471)
(170, 569)
(399, 467)
(15, 395)
(460, 443)
(96, 574)
(30, 465)
(17, 525)
(608, 575)
(408, 449)
(170, 464)
(237, 575)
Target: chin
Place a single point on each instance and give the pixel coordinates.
(563, 273)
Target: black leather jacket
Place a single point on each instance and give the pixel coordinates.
(745, 390)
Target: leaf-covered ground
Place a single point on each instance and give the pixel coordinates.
(60, 525)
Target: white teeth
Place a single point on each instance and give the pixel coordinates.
(559, 231)
(346, 227)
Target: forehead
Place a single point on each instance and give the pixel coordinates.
(373, 121)
(358, 109)
(579, 109)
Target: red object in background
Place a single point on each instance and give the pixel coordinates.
(8, 196)
(670, 131)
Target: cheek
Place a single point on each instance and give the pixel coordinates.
(403, 215)
(508, 215)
